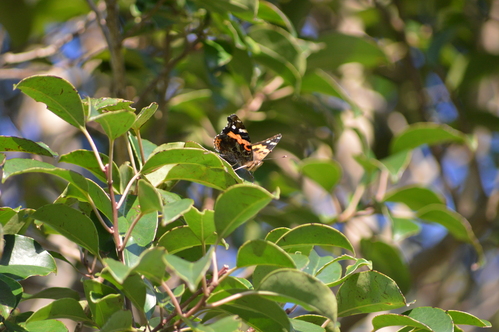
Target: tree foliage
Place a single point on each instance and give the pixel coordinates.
(379, 195)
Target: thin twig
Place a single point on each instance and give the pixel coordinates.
(127, 188)
(129, 231)
(173, 299)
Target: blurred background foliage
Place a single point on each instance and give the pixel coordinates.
(338, 79)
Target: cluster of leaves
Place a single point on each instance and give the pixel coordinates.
(138, 236)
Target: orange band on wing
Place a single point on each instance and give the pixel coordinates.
(240, 140)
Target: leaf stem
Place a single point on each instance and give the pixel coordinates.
(127, 189)
(94, 149)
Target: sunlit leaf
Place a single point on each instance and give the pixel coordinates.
(19, 144)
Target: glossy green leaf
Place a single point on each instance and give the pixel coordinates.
(116, 123)
(192, 164)
(16, 166)
(202, 223)
(455, 223)
(23, 257)
(261, 252)
(258, 312)
(237, 205)
(300, 288)
(271, 13)
(145, 114)
(152, 265)
(95, 194)
(302, 326)
(396, 163)
(226, 324)
(464, 318)
(346, 49)
(11, 143)
(59, 95)
(318, 81)
(191, 273)
(277, 50)
(314, 234)
(55, 293)
(145, 229)
(215, 55)
(8, 300)
(182, 238)
(173, 211)
(402, 228)
(70, 223)
(435, 318)
(12, 288)
(426, 133)
(86, 159)
(350, 269)
(120, 321)
(414, 196)
(103, 105)
(326, 173)
(366, 292)
(105, 306)
(387, 260)
(15, 221)
(385, 320)
(51, 325)
(102, 299)
(149, 198)
(62, 308)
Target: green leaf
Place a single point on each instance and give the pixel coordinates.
(149, 198)
(51, 325)
(256, 311)
(202, 224)
(326, 173)
(318, 81)
(55, 293)
(8, 300)
(174, 210)
(62, 308)
(16, 166)
(455, 223)
(269, 12)
(99, 106)
(72, 224)
(435, 318)
(261, 252)
(367, 292)
(346, 49)
(385, 320)
(387, 260)
(191, 164)
(11, 143)
(300, 288)
(302, 326)
(15, 222)
(215, 56)
(226, 324)
(314, 234)
(414, 196)
(105, 306)
(277, 50)
(23, 257)
(102, 300)
(152, 265)
(182, 238)
(191, 273)
(86, 159)
(464, 318)
(116, 123)
(14, 289)
(145, 229)
(426, 133)
(59, 95)
(237, 205)
(145, 114)
(120, 321)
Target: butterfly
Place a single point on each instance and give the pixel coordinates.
(234, 145)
